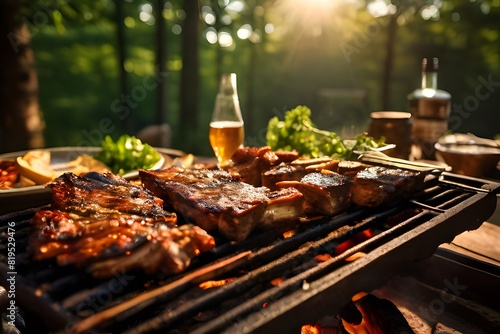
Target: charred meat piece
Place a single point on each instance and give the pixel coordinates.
(212, 199)
(108, 243)
(251, 162)
(331, 165)
(287, 156)
(217, 200)
(296, 170)
(105, 224)
(375, 186)
(326, 193)
(246, 154)
(282, 172)
(95, 192)
(284, 208)
(350, 168)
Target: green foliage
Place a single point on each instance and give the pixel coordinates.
(128, 153)
(79, 77)
(63, 14)
(297, 132)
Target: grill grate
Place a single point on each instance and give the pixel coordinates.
(57, 298)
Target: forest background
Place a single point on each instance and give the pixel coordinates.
(113, 67)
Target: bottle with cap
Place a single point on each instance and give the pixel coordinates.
(226, 128)
(430, 108)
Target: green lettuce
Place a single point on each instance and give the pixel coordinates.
(127, 154)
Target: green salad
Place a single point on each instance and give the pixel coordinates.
(297, 132)
(126, 154)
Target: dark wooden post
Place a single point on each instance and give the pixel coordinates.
(189, 77)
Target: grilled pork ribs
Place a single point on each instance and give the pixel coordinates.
(105, 224)
(218, 200)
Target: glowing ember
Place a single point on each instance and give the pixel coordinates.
(358, 296)
(366, 314)
(319, 329)
(214, 284)
(309, 329)
(277, 281)
(289, 234)
(356, 239)
(355, 256)
(322, 257)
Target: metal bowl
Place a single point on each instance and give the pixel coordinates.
(468, 155)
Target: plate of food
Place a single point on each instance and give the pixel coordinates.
(25, 174)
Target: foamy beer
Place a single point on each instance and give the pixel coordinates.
(225, 138)
(226, 128)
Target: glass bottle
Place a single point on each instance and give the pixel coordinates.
(226, 128)
(430, 108)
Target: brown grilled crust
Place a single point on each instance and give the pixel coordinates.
(376, 186)
(97, 241)
(284, 209)
(223, 202)
(251, 162)
(350, 168)
(86, 194)
(326, 193)
(103, 223)
(211, 199)
(282, 172)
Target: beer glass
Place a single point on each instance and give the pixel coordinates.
(226, 128)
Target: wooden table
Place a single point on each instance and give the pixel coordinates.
(482, 244)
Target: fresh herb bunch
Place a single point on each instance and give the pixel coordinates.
(128, 153)
(298, 132)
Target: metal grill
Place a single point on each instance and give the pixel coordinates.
(270, 282)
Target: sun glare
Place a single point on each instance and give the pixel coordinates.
(312, 14)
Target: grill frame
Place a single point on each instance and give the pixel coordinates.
(417, 244)
(328, 292)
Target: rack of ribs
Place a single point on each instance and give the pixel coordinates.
(106, 224)
(219, 200)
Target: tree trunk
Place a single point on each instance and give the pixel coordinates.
(189, 90)
(161, 58)
(389, 59)
(121, 50)
(249, 111)
(21, 125)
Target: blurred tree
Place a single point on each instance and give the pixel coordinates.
(291, 61)
(21, 123)
(190, 76)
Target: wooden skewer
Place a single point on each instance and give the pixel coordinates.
(146, 299)
(378, 157)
